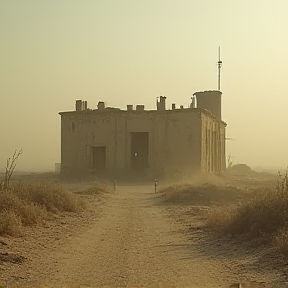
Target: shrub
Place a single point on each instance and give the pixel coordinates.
(204, 194)
(28, 213)
(218, 216)
(28, 204)
(54, 197)
(10, 224)
(265, 215)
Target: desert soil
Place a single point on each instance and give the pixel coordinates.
(130, 239)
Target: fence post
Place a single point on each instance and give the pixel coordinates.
(155, 184)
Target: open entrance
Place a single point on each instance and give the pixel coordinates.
(139, 150)
(99, 158)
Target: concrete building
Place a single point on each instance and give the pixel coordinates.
(148, 143)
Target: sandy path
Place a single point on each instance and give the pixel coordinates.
(133, 244)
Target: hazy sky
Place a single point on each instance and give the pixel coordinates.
(53, 52)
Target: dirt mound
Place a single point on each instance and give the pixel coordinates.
(205, 194)
(97, 188)
(240, 169)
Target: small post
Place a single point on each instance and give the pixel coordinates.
(156, 183)
(115, 185)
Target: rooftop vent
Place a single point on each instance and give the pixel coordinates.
(129, 107)
(81, 105)
(140, 107)
(101, 105)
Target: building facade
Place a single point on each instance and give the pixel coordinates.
(148, 143)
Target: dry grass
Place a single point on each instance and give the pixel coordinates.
(218, 216)
(205, 194)
(281, 241)
(98, 188)
(52, 196)
(10, 223)
(30, 204)
(265, 216)
(29, 213)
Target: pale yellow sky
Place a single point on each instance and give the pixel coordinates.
(53, 52)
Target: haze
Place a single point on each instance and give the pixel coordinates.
(129, 52)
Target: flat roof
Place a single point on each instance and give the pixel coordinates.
(118, 110)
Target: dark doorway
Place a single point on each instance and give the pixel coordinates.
(139, 150)
(99, 158)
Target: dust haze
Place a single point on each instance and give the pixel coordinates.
(142, 144)
(121, 52)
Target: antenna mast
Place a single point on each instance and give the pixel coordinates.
(219, 68)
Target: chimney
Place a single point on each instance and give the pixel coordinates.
(79, 105)
(161, 105)
(101, 105)
(85, 105)
(129, 107)
(140, 107)
(173, 106)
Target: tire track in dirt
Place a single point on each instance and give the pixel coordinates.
(132, 244)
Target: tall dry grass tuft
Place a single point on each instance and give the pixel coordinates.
(10, 223)
(29, 204)
(29, 213)
(205, 194)
(281, 241)
(218, 216)
(265, 215)
(53, 197)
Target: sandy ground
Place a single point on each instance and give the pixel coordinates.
(130, 239)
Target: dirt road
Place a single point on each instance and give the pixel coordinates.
(132, 243)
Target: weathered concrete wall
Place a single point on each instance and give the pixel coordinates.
(213, 145)
(174, 139)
